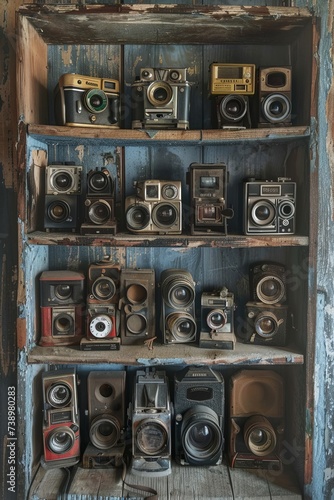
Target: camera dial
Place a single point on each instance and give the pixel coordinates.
(101, 326)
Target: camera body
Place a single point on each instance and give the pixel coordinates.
(137, 305)
(266, 324)
(61, 426)
(217, 320)
(178, 320)
(63, 179)
(99, 204)
(161, 99)
(61, 307)
(85, 101)
(275, 96)
(151, 417)
(231, 84)
(156, 208)
(267, 282)
(256, 409)
(269, 207)
(208, 198)
(199, 400)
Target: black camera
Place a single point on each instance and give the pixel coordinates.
(217, 320)
(199, 401)
(269, 207)
(151, 417)
(61, 212)
(178, 323)
(161, 99)
(208, 198)
(266, 324)
(99, 204)
(156, 208)
(87, 101)
(267, 282)
(275, 105)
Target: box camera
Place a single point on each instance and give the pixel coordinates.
(269, 207)
(208, 195)
(217, 320)
(86, 101)
(99, 204)
(61, 432)
(137, 305)
(150, 414)
(256, 419)
(63, 179)
(59, 288)
(199, 417)
(177, 322)
(161, 99)
(266, 324)
(275, 96)
(267, 282)
(103, 283)
(106, 416)
(156, 208)
(61, 213)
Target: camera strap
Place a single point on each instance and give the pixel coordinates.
(147, 489)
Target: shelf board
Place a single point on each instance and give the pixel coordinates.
(166, 24)
(54, 134)
(180, 354)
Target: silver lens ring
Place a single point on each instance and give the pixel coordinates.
(268, 211)
(104, 431)
(276, 108)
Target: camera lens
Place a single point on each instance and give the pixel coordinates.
(60, 440)
(59, 395)
(136, 294)
(259, 436)
(233, 107)
(62, 181)
(151, 437)
(100, 212)
(263, 213)
(63, 324)
(270, 290)
(169, 191)
(103, 288)
(178, 289)
(276, 108)
(137, 217)
(164, 215)
(286, 209)
(159, 93)
(201, 435)
(63, 291)
(95, 100)
(136, 324)
(104, 431)
(216, 319)
(266, 325)
(182, 326)
(58, 211)
(99, 181)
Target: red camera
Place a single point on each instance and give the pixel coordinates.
(61, 325)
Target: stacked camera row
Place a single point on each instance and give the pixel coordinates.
(156, 207)
(120, 308)
(160, 98)
(195, 422)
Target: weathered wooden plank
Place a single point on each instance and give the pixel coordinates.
(159, 484)
(248, 484)
(47, 484)
(97, 483)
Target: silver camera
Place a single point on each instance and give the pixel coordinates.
(151, 425)
(178, 324)
(156, 208)
(217, 320)
(161, 99)
(270, 207)
(63, 179)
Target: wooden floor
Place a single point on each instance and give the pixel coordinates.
(185, 483)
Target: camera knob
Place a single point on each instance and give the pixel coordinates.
(92, 118)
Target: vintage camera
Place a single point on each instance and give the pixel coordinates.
(61, 427)
(99, 204)
(106, 416)
(269, 207)
(156, 208)
(61, 307)
(208, 195)
(85, 101)
(178, 320)
(102, 322)
(275, 96)
(256, 419)
(61, 213)
(137, 305)
(151, 417)
(103, 283)
(199, 417)
(63, 179)
(267, 282)
(161, 99)
(217, 320)
(266, 324)
(231, 84)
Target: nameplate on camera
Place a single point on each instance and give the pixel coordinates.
(97, 345)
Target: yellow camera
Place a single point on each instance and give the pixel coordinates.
(232, 79)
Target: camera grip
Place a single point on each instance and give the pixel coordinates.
(114, 109)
